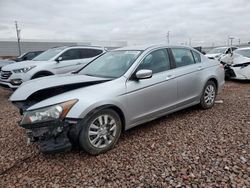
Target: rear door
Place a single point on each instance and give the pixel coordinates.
(188, 73)
(149, 98)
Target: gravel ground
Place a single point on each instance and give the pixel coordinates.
(191, 148)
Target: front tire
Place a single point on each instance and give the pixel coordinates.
(101, 132)
(208, 95)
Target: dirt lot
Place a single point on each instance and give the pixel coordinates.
(192, 148)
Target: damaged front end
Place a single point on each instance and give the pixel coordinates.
(237, 71)
(49, 127)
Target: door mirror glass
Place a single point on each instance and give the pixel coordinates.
(144, 74)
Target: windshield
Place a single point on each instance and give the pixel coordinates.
(111, 65)
(245, 53)
(48, 54)
(217, 51)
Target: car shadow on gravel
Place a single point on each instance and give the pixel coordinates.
(241, 81)
(6, 94)
(162, 119)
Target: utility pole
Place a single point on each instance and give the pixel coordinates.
(18, 31)
(190, 41)
(231, 40)
(168, 40)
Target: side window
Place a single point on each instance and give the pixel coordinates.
(197, 57)
(89, 53)
(96, 52)
(71, 54)
(157, 61)
(182, 57)
(29, 56)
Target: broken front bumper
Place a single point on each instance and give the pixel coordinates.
(53, 136)
(7, 85)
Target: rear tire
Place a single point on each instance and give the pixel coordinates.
(208, 95)
(101, 132)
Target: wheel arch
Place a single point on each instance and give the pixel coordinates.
(44, 72)
(213, 79)
(117, 109)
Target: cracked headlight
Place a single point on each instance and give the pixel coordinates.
(55, 112)
(23, 70)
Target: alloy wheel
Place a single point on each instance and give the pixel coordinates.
(102, 131)
(209, 95)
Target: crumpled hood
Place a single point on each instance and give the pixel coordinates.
(23, 64)
(239, 59)
(52, 84)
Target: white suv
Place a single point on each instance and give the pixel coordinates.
(58, 60)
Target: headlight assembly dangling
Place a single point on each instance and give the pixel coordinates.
(55, 112)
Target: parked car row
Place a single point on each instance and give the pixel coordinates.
(54, 61)
(237, 64)
(5, 62)
(216, 53)
(23, 57)
(235, 60)
(27, 56)
(112, 91)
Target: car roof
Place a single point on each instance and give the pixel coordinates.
(88, 47)
(225, 47)
(221, 47)
(245, 48)
(84, 47)
(146, 47)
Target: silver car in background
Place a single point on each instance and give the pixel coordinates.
(117, 91)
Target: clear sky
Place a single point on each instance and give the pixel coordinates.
(136, 21)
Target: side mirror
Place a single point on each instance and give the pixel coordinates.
(144, 74)
(59, 59)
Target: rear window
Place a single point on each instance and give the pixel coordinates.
(182, 57)
(197, 57)
(89, 53)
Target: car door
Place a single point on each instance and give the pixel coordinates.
(188, 73)
(149, 98)
(69, 61)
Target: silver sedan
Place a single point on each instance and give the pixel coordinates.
(117, 91)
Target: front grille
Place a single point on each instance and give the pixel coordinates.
(5, 75)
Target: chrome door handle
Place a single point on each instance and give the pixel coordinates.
(169, 77)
